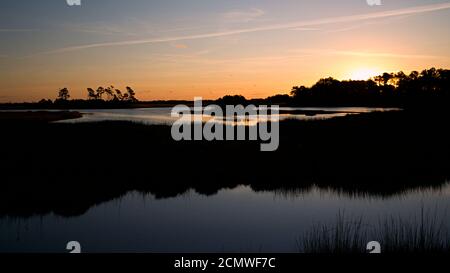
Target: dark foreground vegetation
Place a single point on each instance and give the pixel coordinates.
(423, 234)
(68, 168)
(37, 116)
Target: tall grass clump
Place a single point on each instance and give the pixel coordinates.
(344, 236)
(423, 234)
(426, 233)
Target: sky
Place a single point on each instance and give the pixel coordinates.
(181, 49)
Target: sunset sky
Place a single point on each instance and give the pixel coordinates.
(178, 49)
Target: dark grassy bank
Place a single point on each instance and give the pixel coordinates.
(36, 116)
(67, 168)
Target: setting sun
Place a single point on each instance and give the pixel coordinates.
(363, 74)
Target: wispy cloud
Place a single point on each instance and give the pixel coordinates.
(16, 30)
(366, 54)
(385, 55)
(305, 29)
(292, 25)
(131, 27)
(104, 30)
(243, 15)
(383, 21)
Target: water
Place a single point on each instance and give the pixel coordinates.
(233, 220)
(163, 115)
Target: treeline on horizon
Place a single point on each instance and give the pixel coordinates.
(428, 88)
(101, 96)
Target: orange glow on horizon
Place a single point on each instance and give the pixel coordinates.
(363, 74)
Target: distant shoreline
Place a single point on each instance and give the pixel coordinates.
(50, 115)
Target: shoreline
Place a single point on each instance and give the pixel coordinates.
(50, 115)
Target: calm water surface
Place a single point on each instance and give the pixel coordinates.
(234, 220)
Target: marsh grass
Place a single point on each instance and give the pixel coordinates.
(344, 236)
(426, 233)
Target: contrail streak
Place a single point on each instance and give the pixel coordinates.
(292, 25)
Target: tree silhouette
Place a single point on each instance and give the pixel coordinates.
(112, 94)
(379, 80)
(232, 100)
(100, 91)
(109, 92)
(92, 95)
(63, 94)
(386, 78)
(118, 95)
(131, 95)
